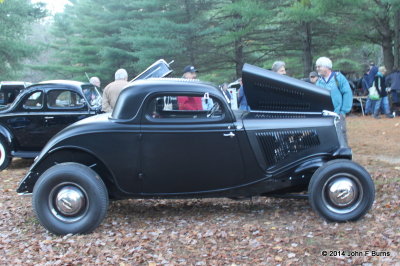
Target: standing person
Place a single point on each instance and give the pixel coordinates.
(368, 79)
(337, 84)
(242, 98)
(279, 67)
(112, 90)
(379, 83)
(189, 72)
(339, 87)
(187, 102)
(225, 91)
(90, 95)
(312, 77)
(95, 81)
(393, 82)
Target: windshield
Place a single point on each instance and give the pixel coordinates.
(92, 94)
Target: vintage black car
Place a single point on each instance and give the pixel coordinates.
(9, 91)
(39, 112)
(175, 138)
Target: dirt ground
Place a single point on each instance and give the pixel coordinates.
(214, 231)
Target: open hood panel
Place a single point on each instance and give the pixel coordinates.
(268, 91)
(158, 69)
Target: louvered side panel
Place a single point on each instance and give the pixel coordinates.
(280, 145)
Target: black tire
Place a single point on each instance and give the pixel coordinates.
(5, 157)
(351, 188)
(81, 184)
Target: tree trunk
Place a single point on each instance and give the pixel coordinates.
(239, 57)
(307, 52)
(191, 38)
(386, 32)
(388, 58)
(397, 39)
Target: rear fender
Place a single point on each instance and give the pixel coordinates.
(6, 134)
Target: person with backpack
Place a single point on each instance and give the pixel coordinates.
(337, 84)
(339, 87)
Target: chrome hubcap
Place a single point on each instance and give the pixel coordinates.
(342, 191)
(70, 200)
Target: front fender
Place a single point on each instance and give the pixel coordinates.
(60, 155)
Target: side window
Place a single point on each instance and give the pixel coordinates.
(64, 99)
(35, 101)
(185, 107)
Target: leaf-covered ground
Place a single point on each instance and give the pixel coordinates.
(261, 231)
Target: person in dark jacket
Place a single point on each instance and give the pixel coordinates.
(379, 82)
(393, 82)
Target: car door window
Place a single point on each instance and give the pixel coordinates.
(191, 107)
(64, 99)
(34, 101)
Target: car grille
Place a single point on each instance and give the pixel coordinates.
(280, 145)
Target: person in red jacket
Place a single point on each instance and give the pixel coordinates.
(188, 102)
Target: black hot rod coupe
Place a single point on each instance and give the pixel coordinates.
(176, 138)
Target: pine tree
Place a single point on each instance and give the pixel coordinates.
(15, 18)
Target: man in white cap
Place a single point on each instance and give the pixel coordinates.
(337, 84)
(339, 87)
(112, 90)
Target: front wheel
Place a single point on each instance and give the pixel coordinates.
(341, 190)
(70, 198)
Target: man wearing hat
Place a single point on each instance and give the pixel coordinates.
(337, 84)
(189, 72)
(187, 102)
(339, 87)
(313, 77)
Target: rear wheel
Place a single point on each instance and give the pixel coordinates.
(341, 190)
(5, 157)
(70, 198)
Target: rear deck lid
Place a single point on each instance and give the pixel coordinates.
(268, 91)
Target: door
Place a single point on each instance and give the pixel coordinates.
(189, 150)
(64, 107)
(28, 124)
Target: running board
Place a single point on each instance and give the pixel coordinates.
(25, 154)
(289, 196)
